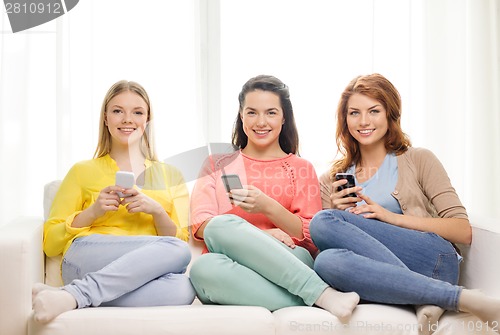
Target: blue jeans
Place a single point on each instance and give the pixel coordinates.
(385, 263)
(130, 271)
(247, 266)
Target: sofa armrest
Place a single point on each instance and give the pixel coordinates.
(481, 269)
(22, 264)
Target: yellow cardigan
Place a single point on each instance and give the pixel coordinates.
(80, 189)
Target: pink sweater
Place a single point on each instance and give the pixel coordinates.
(291, 181)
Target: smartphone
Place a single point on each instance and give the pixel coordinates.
(350, 183)
(126, 180)
(231, 181)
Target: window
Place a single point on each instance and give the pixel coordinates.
(193, 56)
(316, 48)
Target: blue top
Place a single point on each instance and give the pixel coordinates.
(381, 185)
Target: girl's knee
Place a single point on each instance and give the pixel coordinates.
(221, 223)
(304, 255)
(197, 271)
(173, 289)
(226, 231)
(205, 275)
(176, 248)
(186, 293)
(204, 267)
(319, 223)
(329, 261)
(320, 263)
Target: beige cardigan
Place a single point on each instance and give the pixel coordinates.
(423, 188)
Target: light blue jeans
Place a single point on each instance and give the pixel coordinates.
(129, 271)
(385, 263)
(247, 266)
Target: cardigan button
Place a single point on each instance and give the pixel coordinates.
(404, 207)
(396, 192)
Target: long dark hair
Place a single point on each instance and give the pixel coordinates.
(289, 137)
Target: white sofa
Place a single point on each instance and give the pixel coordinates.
(23, 263)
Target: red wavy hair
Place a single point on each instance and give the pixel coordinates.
(379, 88)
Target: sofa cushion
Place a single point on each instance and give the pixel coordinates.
(186, 320)
(480, 255)
(52, 264)
(452, 323)
(49, 192)
(373, 319)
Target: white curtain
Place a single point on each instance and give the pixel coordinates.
(194, 56)
(53, 79)
(462, 94)
(27, 117)
(316, 48)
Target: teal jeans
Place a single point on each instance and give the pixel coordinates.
(247, 266)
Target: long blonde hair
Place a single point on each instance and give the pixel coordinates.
(147, 141)
(379, 88)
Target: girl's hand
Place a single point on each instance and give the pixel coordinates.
(337, 197)
(280, 235)
(139, 202)
(372, 210)
(107, 201)
(251, 199)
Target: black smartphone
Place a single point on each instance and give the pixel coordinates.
(231, 181)
(350, 183)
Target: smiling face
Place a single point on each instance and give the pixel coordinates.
(262, 118)
(366, 120)
(126, 118)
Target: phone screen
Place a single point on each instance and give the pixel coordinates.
(126, 180)
(350, 183)
(231, 181)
